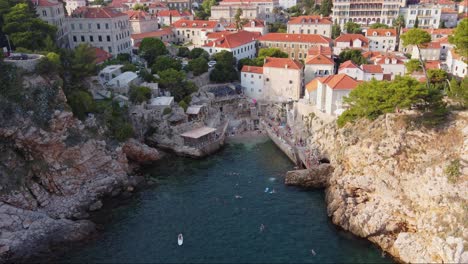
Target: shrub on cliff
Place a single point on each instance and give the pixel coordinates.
(81, 103)
(139, 94)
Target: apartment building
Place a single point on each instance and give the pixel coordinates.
(256, 25)
(101, 27)
(164, 34)
(52, 12)
(350, 41)
(430, 51)
(167, 17)
(429, 15)
(366, 12)
(392, 64)
(156, 7)
(296, 45)
(180, 5)
(318, 66)
(310, 25)
(195, 31)
(71, 5)
(141, 21)
(382, 39)
(241, 44)
(227, 9)
(287, 3)
(252, 82)
(456, 64)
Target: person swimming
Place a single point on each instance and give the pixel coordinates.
(262, 227)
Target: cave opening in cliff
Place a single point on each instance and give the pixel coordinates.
(324, 160)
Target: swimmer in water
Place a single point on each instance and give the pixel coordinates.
(262, 227)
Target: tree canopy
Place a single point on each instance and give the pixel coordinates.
(460, 38)
(237, 18)
(83, 61)
(353, 55)
(224, 70)
(175, 82)
(163, 63)
(139, 94)
(326, 7)
(379, 25)
(416, 36)
(198, 66)
(374, 98)
(24, 29)
(353, 28)
(336, 31)
(150, 49)
(198, 52)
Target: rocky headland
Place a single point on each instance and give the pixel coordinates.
(396, 183)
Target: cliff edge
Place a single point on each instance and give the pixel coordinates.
(402, 186)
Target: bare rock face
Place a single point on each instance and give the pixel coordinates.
(402, 187)
(50, 176)
(310, 178)
(139, 152)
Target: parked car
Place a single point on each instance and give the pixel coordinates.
(211, 63)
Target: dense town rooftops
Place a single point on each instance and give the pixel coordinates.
(233, 40)
(96, 12)
(153, 34)
(348, 64)
(184, 23)
(255, 23)
(316, 50)
(173, 13)
(351, 38)
(336, 82)
(434, 64)
(309, 20)
(137, 15)
(431, 45)
(246, 1)
(286, 63)
(285, 37)
(252, 69)
(371, 68)
(381, 32)
(320, 60)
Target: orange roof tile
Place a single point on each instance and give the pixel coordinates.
(234, 40)
(371, 68)
(173, 13)
(246, 1)
(449, 11)
(310, 20)
(381, 32)
(152, 34)
(257, 23)
(432, 45)
(184, 23)
(312, 85)
(137, 14)
(320, 60)
(432, 64)
(351, 37)
(157, 4)
(46, 2)
(218, 34)
(339, 81)
(272, 62)
(96, 12)
(252, 69)
(348, 64)
(285, 37)
(101, 55)
(316, 50)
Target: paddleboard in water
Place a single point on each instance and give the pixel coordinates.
(180, 240)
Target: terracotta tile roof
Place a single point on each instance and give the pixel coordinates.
(257, 23)
(218, 34)
(252, 69)
(371, 68)
(46, 2)
(320, 60)
(349, 65)
(381, 32)
(443, 40)
(380, 59)
(309, 20)
(101, 55)
(339, 81)
(370, 54)
(152, 34)
(351, 37)
(157, 4)
(285, 37)
(174, 13)
(184, 23)
(246, 1)
(272, 62)
(448, 11)
(316, 50)
(432, 64)
(96, 12)
(312, 85)
(234, 40)
(432, 45)
(137, 15)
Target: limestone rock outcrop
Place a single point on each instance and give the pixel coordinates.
(310, 178)
(139, 152)
(400, 185)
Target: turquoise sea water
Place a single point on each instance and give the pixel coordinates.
(198, 198)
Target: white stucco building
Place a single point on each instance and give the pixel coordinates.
(456, 64)
(71, 5)
(430, 15)
(392, 64)
(327, 92)
(52, 12)
(252, 82)
(101, 27)
(318, 66)
(382, 39)
(287, 3)
(195, 31)
(350, 41)
(431, 51)
(167, 17)
(141, 21)
(252, 9)
(310, 25)
(241, 44)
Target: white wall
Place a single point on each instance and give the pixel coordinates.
(247, 50)
(282, 84)
(253, 85)
(355, 73)
(316, 70)
(334, 100)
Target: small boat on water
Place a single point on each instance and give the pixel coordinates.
(180, 239)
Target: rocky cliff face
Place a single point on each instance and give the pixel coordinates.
(402, 187)
(52, 171)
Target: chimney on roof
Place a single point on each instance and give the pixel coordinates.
(286, 66)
